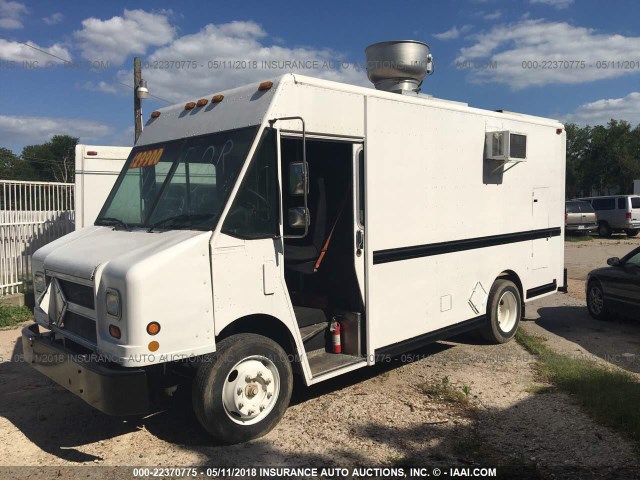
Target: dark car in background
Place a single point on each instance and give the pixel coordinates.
(579, 217)
(615, 289)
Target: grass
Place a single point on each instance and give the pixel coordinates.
(577, 238)
(446, 391)
(11, 315)
(610, 396)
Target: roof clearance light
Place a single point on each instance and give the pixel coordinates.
(217, 98)
(265, 86)
(92, 153)
(202, 102)
(155, 114)
(558, 131)
(190, 106)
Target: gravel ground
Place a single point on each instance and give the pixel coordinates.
(375, 415)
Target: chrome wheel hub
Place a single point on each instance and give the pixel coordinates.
(251, 390)
(507, 311)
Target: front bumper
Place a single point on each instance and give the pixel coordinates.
(107, 387)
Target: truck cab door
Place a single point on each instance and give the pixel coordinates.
(359, 216)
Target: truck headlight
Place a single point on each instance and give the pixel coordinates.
(113, 303)
(39, 282)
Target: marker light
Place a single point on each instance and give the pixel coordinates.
(92, 153)
(558, 131)
(202, 102)
(265, 86)
(190, 106)
(217, 98)
(155, 114)
(114, 331)
(153, 328)
(153, 346)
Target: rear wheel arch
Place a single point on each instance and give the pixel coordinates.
(513, 276)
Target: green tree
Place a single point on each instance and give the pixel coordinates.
(53, 160)
(13, 167)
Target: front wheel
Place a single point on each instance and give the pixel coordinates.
(504, 311)
(595, 301)
(242, 390)
(632, 232)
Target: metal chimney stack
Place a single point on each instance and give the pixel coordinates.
(399, 66)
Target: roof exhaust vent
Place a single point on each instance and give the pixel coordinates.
(399, 66)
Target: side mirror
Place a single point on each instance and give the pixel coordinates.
(613, 261)
(299, 217)
(297, 178)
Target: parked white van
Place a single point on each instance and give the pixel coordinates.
(299, 226)
(616, 213)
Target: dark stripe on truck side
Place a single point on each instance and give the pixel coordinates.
(418, 251)
(430, 337)
(542, 289)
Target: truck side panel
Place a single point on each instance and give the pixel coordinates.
(442, 225)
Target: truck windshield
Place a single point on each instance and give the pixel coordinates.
(178, 184)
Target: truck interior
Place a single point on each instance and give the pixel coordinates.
(319, 268)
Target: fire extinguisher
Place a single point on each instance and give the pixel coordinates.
(335, 337)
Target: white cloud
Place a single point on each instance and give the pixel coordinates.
(233, 42)
(511, 46)
(53, 19)
(115, 39)
(27, 129)
(100, 86)
(557, 4)
(493, 15)
(11, 14)
(601, 111)
(18, 52)
(453, 33)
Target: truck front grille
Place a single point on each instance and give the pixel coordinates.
(72, 310)
(82, 326)
(76, 293)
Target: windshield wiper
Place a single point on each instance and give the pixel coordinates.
(114, 221)
(182, 216)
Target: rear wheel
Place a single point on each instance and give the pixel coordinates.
(504, 311)
(595, 301)
(632, 232)
(604, 230)
(242, 390)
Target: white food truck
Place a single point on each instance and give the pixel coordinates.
(299, 226)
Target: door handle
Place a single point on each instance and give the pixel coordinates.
(359, 242)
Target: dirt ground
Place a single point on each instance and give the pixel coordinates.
(371, 416)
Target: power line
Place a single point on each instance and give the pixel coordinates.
(68, 61)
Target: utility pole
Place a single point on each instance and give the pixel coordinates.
(137, 101)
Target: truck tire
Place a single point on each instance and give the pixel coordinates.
(504, 311)
(632, 232)
(241, 391)
(604, 230)
(596, 303)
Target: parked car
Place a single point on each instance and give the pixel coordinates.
(616, 288)
(579, 217)
(616, 213)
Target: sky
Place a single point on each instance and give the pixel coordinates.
(66, 67)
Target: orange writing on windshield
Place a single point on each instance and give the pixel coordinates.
(147, 158)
